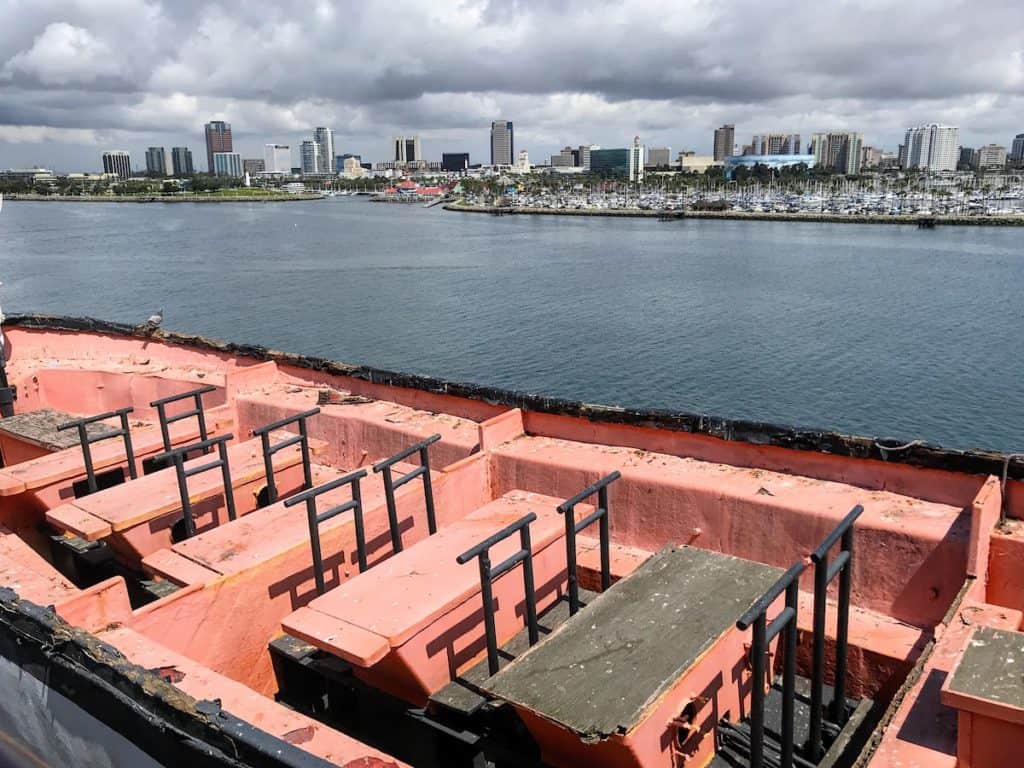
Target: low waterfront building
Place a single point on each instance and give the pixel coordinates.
(227, 164)
(691, 162)
(774, 162)
(181, 160)
(119, 162)
(27, 175)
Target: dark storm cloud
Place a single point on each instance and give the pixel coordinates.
(564, 70)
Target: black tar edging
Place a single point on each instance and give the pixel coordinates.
(148, 711)
(912, 452)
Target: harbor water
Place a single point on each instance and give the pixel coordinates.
(880, 330)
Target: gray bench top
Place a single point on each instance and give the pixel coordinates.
(992, 668)
(40, 428)
(599, 672)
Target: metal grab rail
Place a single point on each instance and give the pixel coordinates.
(489, 574)
(302, 439)
(177, 456)
(85, 440)
(391, 485)
(165, 421)
(824, 573)
(315, 519)
(572, 528)
(763, 634)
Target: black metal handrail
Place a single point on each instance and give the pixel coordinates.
(600, 514)
(824, 572)
(391, 485)
(166, 421)
(302, 439)
(763, 634)
(316, 518)
(86, 440)
(488, 574)
(177, 456)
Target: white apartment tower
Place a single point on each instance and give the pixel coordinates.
(636, 161)
(277, 158)
(931, 147)
(324, 138)
(407, 149)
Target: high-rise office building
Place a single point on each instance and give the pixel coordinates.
(324, 137)
(991, 157)
(277, 158)
(968, 159)
(584, 155)
(407, 149)
(503, 147)
(309, 157)
(564, 159)
(454, 162)
(931, 147)
(636, 161)
(117, 161)
(227, 164)
(181, 160)
(1017, 149)
(156, 162)
(725, 139)
(776, 144)
(218, 139)
(838, 150)
(659, 157)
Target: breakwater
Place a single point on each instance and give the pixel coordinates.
(829, 218)
(277, 198)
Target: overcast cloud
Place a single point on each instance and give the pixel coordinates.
(80, 77)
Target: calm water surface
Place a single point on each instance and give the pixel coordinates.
(877, 330)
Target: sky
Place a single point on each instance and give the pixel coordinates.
(78, 77)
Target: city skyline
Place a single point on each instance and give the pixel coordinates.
(84, 78)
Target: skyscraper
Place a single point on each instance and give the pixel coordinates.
(503, 147)
(407, 149)
(636, 161)
(324, 137)
(776, 144)
(181, 159)
(277, 158)
(931, 147)
(117, 161)
(838, 150)
(309, 153)
(218, 139)
(156, 162)
(1017, 149)
(725, 139)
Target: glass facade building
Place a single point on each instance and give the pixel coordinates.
(609, 162)
(227, 164)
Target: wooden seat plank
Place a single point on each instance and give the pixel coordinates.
(599, 672)
(26, 572)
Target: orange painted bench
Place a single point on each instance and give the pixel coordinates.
(136, 517)
(49, 478)
(26, 572)
(202, 683)
(414, 621)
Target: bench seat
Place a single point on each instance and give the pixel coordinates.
(29, 574)
(415, 620)
(202, 683)
(138, 514)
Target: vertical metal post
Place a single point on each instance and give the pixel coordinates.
(307, 469)
(757, 650)
(528, 588)
(489, 630)
(428, 491)
(389, 496)
(83, 440)
(814, 744)
(606, 560)
(357, 497)
(789, 676)
(268, 468)
(128, 451)
(186, 505)
(570, 555)
(842, 631)
(314, 541)
(225, 471)
(165, 428)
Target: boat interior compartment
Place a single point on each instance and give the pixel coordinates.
(344, 566)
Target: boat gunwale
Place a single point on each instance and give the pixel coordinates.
(916, 453)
